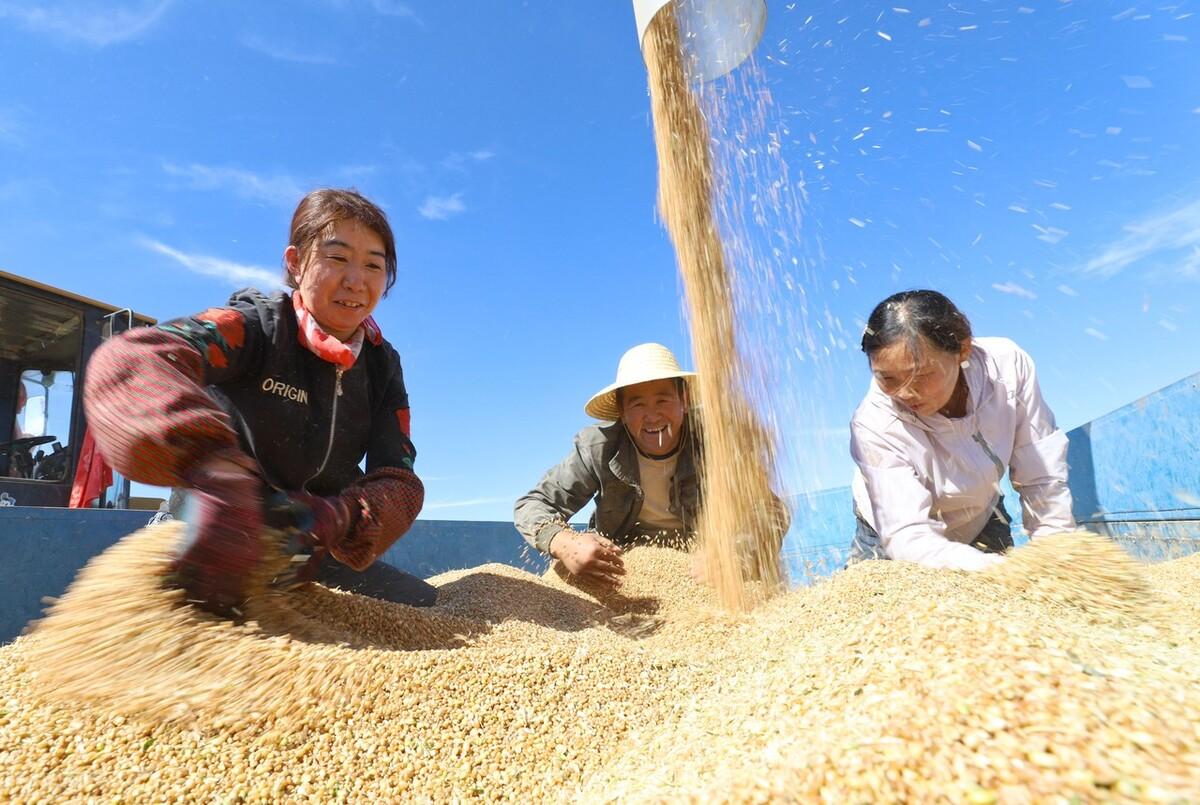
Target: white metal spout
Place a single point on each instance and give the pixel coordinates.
(718, 35)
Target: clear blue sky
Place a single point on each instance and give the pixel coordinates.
(1037, 163)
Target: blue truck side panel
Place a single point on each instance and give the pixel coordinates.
(435, 546)
(817, 542)
(43, 549)
(1138, 464)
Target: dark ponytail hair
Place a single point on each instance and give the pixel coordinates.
(912, 315)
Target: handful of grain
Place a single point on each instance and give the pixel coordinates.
(1084, 573)
(120, 637)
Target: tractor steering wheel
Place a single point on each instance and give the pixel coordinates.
(20, 464)
(27, 443)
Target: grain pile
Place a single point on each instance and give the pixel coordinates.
(1039, 681)
(1043, 679)
(736, 443)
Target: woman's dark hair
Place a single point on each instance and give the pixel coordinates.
(317, 213)
(911, 315)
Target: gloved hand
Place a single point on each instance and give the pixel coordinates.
(355, 527)
(381, 506)
(223, 542)
(330, 518)
(309, 525)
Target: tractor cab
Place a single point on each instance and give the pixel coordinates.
(47, 336)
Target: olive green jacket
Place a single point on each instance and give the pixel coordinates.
(603, 465)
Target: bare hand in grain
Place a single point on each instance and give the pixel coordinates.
(590, 556)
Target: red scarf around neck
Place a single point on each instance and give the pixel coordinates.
(325, 346)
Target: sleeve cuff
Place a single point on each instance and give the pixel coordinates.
(545, 532)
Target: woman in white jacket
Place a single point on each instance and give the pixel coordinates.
(945, 417)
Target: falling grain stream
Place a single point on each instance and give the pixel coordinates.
(739, 451)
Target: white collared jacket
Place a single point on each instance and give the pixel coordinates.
(928, 485)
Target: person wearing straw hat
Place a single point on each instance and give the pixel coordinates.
(639, 465)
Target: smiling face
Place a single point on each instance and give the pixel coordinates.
(342, 277)
(923, 383)
(653, 414)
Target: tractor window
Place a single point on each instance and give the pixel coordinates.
(39, 348)
(42, 430)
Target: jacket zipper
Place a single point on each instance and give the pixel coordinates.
(332, 428)
(978, 437)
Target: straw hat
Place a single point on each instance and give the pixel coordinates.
(640, 364)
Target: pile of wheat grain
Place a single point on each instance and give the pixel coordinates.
(1068, 675)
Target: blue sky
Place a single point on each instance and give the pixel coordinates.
(1035, 162)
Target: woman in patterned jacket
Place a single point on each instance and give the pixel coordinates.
(276, 397)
